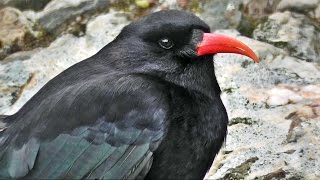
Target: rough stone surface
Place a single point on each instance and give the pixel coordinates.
(317, 14)
(222, 14)
(57, 12)
(298, 5)
(13, 77)
(25, 4)
(264, 138)
(46, 63)
(13, 31)
(292, 32)
(259, 8)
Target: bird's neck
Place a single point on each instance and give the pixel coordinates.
(198, 77)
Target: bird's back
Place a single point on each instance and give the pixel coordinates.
(80, 124)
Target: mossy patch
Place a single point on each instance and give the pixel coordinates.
(134, 8)
(278, 174)
(246, 63)
(43, 39)
(242, 120)
(228, 90)
(241, 171)
(248, 24)
(280, 44)
(123, 5)
(138, 8)
(29, 42)
(195, 6)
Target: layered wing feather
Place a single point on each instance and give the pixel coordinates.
(106, 128)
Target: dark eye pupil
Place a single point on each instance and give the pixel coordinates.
(166, 43)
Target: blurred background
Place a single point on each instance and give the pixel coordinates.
(273, 106)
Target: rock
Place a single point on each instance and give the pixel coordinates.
(142, 3)
(241, 171)
(311, 91)
(281, 96)
(276, 67)
(221, 14)
(57, 12)
(186, 5)
(273, 106)
(25, 5)
(292, 32)
(104, 28)
(20, 56)
(317, 14)
(298, 5)
(13, 77)
(259, 125)
(167, 4)
(295, 131)
(255, 12)
(23, 74)
(300, 72)
(14, 29)
(268, 138)
(259, 8)
(183, 3)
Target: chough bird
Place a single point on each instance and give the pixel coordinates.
(146, 106)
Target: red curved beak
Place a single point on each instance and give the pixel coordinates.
(213, 43)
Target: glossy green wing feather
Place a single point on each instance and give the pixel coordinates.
(56, 135)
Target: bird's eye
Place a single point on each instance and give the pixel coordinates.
(166, 43)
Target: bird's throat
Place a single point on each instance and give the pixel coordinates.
(198, 76)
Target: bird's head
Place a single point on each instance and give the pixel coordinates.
(171, 41)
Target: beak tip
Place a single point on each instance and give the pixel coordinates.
(255, 58)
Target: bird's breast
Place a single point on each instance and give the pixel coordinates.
(196, 130)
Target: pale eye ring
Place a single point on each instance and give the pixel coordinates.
(166, 43)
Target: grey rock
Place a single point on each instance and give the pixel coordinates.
(57, 12)
(292, 32)
(170, 4)
(259, 8)
(298, 5)
(13, 77)
(264, 147)
(317, 14)
(14, 29)
(255, 12)
(220, 14)
(26, 73)
(25, 4)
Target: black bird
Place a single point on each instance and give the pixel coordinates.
(147, 105)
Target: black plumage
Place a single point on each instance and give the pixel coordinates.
(145, 106)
